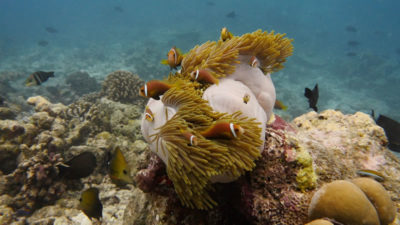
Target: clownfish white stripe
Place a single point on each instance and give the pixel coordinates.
(175, 55)
(148, 115)
(191, 139)
(145, 90)
(197, 75)
(232, 130)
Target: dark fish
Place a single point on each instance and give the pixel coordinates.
(373, 114)
(79, 166)
(2, 100)
(119, 9)
(392, 131)
(312, 96)
(351, 29)
(37, 78)
(51, 30)
(231, 15)
(43, 43)
(351, 54)
(90, 203)
(353, 43)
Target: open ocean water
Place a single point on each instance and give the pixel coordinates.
(350, 48)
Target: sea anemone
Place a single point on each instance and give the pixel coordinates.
(191, 108)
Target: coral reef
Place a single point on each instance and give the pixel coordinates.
(122, 86)
(81, 83)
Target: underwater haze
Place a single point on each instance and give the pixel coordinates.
(350, 48)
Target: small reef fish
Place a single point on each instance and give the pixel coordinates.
(174, 59)
(223, 129)
(353, 43)
(37, 78)
(79, 166)
(254, 62)
(392, 131)
(119, 171)
(51, 30)
(192, 139)
(2, 100)
(312, 96)
(149, 116)
(225, 34)
(43, 43)
(153, 89)
(279, 105)
(90, 203)
(246, 98)
(203, 76)
(351, 29)
(231, 15)
(371, 173)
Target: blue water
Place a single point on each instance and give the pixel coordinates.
(103, 36)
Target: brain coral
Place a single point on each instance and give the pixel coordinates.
(192, 106)
(122, 86)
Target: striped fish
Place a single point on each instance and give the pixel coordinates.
(37, 78)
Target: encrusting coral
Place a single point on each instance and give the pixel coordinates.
(190, 107)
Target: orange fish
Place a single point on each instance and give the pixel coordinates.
(254, 62)
(190, 137)
(153, 89)
(203, 76)
(223, 130)
(174, 58)
(225, 34)
(279, 105)
(149, 116)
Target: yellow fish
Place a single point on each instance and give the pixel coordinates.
(119, 170)
(279, 105)
(246, 98)
(90, 203)
(225, 34)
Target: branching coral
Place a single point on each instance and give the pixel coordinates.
(122, 86)
(188, 109)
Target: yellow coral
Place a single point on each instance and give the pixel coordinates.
(306, 177)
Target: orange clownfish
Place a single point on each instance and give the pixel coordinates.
(254, 62)
(225, 34)
(279, 105)
(223, 130)
(203, 76)
(174, 58)
(190, 138)
(153, 89)
(149, 116)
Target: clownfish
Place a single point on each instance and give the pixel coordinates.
(223, 130)
(279, 105)
(149, 116)
(153, 89)
(174, 58)
(203, 76)
(254, 62)
(225, 34)
(246, 98)
(191, 138)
